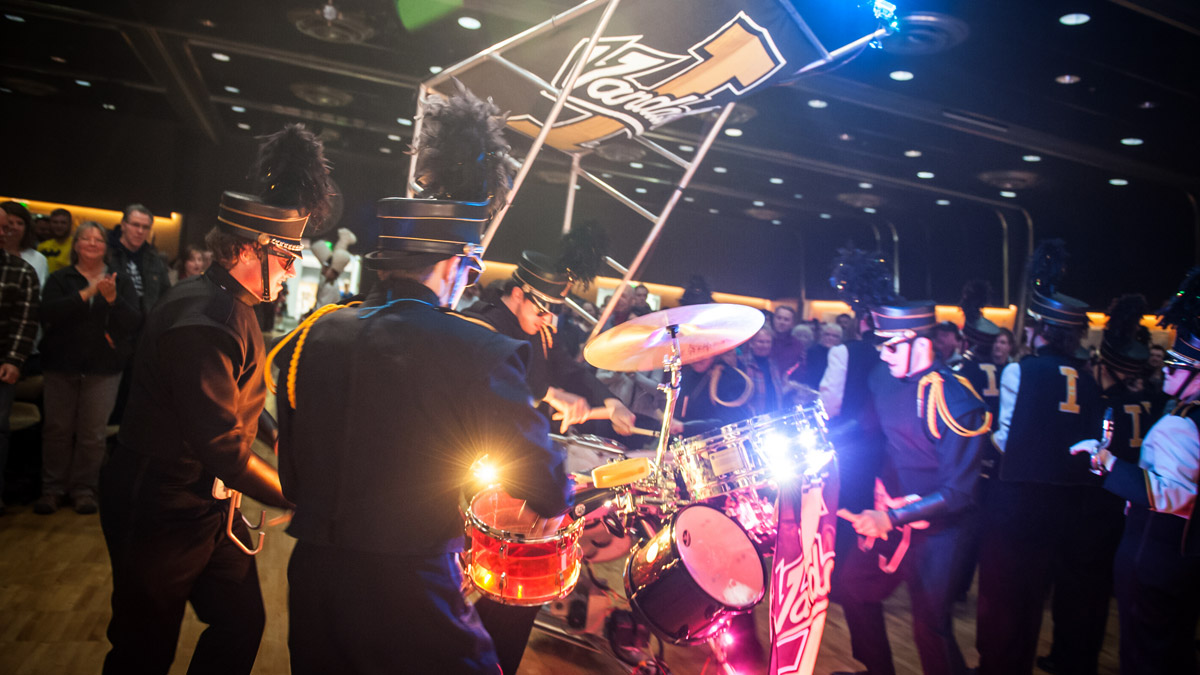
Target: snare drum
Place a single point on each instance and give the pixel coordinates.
(511, 567)
(694, 575)
(754, 452)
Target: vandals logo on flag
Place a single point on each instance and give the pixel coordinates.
(801, 577)
(627, 87)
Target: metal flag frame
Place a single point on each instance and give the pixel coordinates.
(495, 54)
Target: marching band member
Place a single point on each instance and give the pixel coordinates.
(193, 413)
(1157, 566)
(934, 458)
(383, 408)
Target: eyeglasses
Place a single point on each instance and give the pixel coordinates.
(894, 344)
(289, 258)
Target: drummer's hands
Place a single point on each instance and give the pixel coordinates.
(533, 525)
(676, 428)
(622, 418)
(570, 408)
(869, 523)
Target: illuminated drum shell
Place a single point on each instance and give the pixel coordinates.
(673, 579)
(738, 456)
(511, 567)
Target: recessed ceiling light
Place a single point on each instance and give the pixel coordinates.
(686, 148)
(578, 186)
(825, 216)
(386, 150)
(689, 199)
(900, 75)
(237, 108)
(1067, 78)
(1074, 19)
(1118, 181)
(1032, 158)
(733, 132)
(108, 106)
(943, 202)
(759, 203)
(776, 222)
(713, 211)
(58, 59)
(14, 17)
(83, 83)
(404, 121)
(720, 169)
(775, 181)
(1008, 193)
(435, 69)
(797, 196)
(865, 186)
(845, 137)
(636, 165)
(640, 190)
(5, 90)
(606, 175)
(869, 209)
(912, 153)
(470, 22)
(925, 174)
(208, 23)
(1131, 141)
(223, 58)
(233, 90)
(1147, 105)
(393, 137)
(817, 103)
(243, 126)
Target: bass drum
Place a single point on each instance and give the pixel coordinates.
(690, 579)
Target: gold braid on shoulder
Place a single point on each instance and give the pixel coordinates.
(715, 379)
(937, 407)
(301, 334)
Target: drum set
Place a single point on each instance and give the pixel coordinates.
(695, 516)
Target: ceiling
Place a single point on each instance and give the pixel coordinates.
(1002, 148)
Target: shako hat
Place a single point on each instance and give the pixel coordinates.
(293, 191)
(980, 331)
(547, 281)
(903, 319)
(1047, 266)
(1182, 312)
(1123, 347)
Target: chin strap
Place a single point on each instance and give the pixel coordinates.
(264, 241)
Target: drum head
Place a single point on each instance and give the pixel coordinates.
(719, 556)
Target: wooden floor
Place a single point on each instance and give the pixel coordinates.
(54, 606)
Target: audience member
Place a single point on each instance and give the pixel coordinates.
(768, 381)
(696, 292)
(41, 227)
(19, 301)
(131, 253)
(817, 356)
(947, 343)
(786, 351)
(56, 246)
(849, 327)
(1154, 367)
(90, 314)
(640, 305)
(192, 262)
(1003, 348)
(19, 239)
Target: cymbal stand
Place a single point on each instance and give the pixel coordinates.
(671, 365)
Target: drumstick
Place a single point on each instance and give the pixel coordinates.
(638, 431)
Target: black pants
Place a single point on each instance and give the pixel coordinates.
(1036, 535)
(1158, 593)
(931, 569)
(162, 559)
(510, 628)
(361, 613)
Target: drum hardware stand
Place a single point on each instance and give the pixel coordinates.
(715, 643)
(220, 491)
(672, 364)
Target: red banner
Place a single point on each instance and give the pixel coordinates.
(801, 573)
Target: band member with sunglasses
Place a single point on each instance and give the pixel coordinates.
(193, 414)
(1047, 511)
(936, 428)
(1157, 565)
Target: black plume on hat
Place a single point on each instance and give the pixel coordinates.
(1124, 345)
(979, 331)
(291, 171)
(1182, 312)
(1048, 266)
(583, 251)
(461, 153)
(861, 279)
(1046, 269)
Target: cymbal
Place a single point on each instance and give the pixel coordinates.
(704, 330)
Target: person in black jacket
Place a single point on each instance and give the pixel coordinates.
(383, 408)
(1046, 511)
(90, 315)
(936, 427)
(194, 407)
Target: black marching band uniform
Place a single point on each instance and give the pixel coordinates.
(192, 416)
(1158, 560)
(383, 408)
(935, 425)
(1046, 513)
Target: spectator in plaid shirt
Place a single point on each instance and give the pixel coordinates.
(18, 326)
